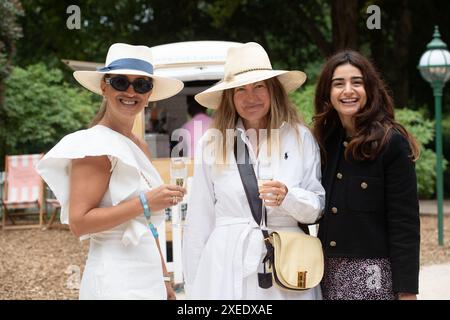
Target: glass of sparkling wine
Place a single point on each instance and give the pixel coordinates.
(264, 173)
(178, 171)
(178, 175)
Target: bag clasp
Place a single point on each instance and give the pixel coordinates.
(301, 279)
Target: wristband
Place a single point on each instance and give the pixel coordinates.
(144, 204)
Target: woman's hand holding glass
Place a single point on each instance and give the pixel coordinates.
(164, 196)
(272, 193)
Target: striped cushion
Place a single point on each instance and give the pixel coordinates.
(23, 182)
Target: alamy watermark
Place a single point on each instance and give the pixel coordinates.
(73, 22)
(374, 279)
(374, 20)
(74, 279)
(213, 141)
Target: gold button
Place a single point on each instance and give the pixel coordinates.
(334, 210)
(339, 175)
(364, 185)
(332, 243)
(345, 143)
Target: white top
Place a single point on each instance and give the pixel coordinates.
(128, 162)
(222, 243)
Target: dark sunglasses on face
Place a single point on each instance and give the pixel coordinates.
(121, 83)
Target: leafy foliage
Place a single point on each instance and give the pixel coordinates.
(423, 130)
(10, 31)
(304, 101)
(40, 108)
(296, 34)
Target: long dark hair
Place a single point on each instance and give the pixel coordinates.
(374, 124)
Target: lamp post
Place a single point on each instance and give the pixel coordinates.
(434, 67)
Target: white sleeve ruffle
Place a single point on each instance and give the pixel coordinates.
(54, 167)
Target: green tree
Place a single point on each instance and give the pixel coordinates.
(299, 32)
(105, 22)
(10, 32)
(40, 108)
(304, 101)
(296, 34)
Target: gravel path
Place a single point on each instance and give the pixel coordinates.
(37, 264)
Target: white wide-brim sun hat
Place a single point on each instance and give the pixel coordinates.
(247, 64)
(130, 60)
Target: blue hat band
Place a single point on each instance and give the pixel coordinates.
(128, 63)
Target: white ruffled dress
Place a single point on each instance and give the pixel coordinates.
(124, 262)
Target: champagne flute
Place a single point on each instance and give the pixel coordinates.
(178, 175)
(178, 171)
(264, 174)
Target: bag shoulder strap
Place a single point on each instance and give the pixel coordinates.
(304, 227)
(250, 184)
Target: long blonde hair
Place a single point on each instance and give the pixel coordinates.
(281, 110)
(101, 112)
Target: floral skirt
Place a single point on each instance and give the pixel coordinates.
(357, 279)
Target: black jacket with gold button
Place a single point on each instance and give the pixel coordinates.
(372, 208)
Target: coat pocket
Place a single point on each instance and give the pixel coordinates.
(365, 194)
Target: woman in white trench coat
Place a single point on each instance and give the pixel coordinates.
(223, 246)
(105, 182)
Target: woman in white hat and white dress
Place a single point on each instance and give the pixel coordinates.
(107, 186)
(223, 246)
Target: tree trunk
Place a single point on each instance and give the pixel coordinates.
(377, 43)
(344, 15)
(10, 50)
(401, 56)
(377, 48)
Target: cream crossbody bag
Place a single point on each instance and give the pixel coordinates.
(295, 259)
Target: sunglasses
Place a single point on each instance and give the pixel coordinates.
(121, 83)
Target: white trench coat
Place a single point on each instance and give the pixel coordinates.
(222, 245)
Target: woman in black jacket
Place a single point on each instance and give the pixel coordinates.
(370, 229)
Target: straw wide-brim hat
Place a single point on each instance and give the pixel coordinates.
(247, 64)
(130, 60)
